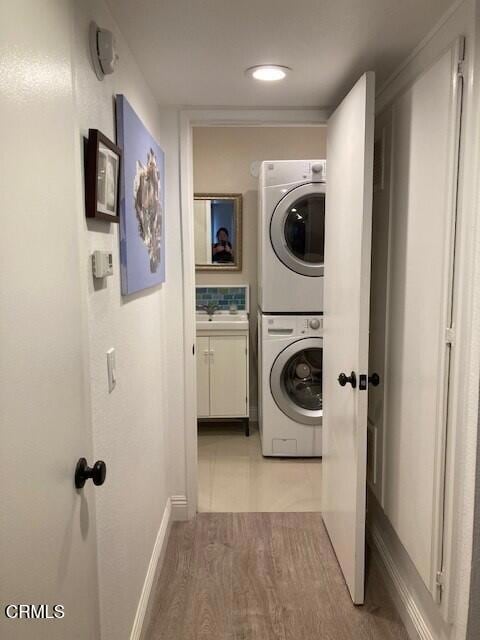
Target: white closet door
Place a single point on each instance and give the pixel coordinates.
(423, 208)
(347, 294)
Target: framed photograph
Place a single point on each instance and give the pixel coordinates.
(102, 177)
(142, 203)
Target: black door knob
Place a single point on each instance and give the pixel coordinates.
(365, 380)
(343, 379)
(83, 472)
(374, 379)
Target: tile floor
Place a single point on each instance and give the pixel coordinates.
(235, 477)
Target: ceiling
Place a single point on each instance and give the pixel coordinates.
(194, 52)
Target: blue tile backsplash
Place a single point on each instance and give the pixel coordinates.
(223, 297)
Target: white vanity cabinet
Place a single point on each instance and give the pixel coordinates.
(222, 374)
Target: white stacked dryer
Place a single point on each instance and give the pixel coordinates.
(290, 292)
(291, 236)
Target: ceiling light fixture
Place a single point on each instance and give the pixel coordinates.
(268, 72)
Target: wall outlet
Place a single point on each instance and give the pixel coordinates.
(112, 374)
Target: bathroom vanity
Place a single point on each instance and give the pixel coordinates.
(222, 366)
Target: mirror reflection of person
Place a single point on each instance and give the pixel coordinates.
(222, 250)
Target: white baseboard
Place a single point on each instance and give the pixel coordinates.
(404, 600)
(156, 561)
(179, 508)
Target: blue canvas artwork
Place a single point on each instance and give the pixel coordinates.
(142, 203)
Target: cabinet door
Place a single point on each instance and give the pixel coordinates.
(203, 378)
(228, 376)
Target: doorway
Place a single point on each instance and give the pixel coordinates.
(233, 475)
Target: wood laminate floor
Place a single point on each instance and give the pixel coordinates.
(262, 576)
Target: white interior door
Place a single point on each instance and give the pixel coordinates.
(47, 532)
(347, 295)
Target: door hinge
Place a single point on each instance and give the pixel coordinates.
(193, 350)
(460, 68)
(450, 335)
(440, 581)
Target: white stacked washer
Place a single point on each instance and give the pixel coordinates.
(290, 384)
(291, 236)
(290, 293)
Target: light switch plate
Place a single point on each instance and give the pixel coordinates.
(112, 374)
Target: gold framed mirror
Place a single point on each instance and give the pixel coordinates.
(218, 231)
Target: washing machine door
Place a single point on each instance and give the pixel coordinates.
(297, 229)
(296, 381)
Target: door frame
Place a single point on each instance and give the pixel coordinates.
(188, 119)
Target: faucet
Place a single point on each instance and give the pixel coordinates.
(210, 308)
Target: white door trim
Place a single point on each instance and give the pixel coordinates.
(212, 118)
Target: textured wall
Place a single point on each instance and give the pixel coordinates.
(130, 425)
(221, 164)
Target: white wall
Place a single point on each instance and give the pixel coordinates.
(132, 427)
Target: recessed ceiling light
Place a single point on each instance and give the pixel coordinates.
(268, 72)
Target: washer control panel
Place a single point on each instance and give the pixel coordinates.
(310, 325)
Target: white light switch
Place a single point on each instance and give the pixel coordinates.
(112, 376)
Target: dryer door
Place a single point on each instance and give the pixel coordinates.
(296, 381)
(297, 229)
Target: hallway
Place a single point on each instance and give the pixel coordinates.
(219, 215)
(262, 576)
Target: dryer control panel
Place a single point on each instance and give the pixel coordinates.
(300, 326)
(287, 172)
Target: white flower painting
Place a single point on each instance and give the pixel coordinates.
(142, 203)
(146, 193)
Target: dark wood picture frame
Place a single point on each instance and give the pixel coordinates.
(92, 145)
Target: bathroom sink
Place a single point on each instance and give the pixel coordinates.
(222, 322)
